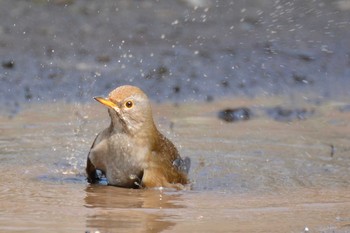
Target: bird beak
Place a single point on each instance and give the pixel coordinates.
(106, 102)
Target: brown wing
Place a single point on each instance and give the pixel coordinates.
(161, 170)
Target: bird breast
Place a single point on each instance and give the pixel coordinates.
(126, 160)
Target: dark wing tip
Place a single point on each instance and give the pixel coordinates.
(183, 164)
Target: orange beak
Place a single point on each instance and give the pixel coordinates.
(106, 102)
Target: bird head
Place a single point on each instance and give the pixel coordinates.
(129, 109)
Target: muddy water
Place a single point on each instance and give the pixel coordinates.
(259, 175)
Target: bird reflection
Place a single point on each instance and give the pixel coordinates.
(117, 209)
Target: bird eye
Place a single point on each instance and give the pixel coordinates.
(129, 104)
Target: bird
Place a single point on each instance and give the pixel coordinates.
(131, 152)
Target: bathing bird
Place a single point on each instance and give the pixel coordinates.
(131, 152)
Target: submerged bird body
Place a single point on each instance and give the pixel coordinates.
(131, 152)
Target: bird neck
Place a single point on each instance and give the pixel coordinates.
(147, 132)
(117, 125)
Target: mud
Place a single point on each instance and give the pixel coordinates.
(235, 114)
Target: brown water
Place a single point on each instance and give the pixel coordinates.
(254, 176)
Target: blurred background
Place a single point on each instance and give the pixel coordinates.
(181, 50)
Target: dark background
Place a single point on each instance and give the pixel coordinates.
(179, 50)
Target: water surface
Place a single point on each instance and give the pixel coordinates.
(259, 175)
